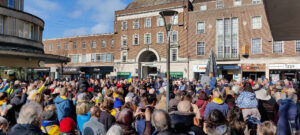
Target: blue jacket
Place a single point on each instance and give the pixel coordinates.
(223, 107)
(287, 116)
(81, 119)
(64, 108)
(247, 100)
(213, 82)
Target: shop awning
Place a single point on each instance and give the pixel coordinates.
(47, 58)
(101, 69)
(228, 67)
(283, 18)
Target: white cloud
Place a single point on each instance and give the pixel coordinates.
(100, 11)
(41, 8)
(76, 14)
(100, 28)
(75, 32)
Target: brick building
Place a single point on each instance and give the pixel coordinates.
(92, 54)
(236, 30)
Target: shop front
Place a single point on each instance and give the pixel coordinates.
(229, 72)
(199, 70)
(284, 71)
(97, 72)
(175, 75)
(123, 75)
(253, 71)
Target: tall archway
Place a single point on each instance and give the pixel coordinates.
(146, 60)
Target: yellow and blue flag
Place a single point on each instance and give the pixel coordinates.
(129, 78)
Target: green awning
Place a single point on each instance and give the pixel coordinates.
(123, 73)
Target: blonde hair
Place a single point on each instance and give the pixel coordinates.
(37, 97)
(50, 107)
(82, 108)
(267, 128)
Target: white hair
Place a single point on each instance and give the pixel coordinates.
(30, 114)
(3, 121)
(115, 130)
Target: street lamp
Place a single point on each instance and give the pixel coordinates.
(168, 30)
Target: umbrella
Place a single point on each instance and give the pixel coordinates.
(211, 65)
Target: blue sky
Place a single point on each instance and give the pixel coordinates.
(64, 18)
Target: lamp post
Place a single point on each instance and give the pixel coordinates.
(168, 28)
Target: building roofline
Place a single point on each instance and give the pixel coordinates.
(24, 13)
(89, 35)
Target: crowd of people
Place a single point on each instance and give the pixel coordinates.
(139, 107)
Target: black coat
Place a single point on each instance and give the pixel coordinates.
(183, 123)
(25, 129)
(17, 102)
(107, 120)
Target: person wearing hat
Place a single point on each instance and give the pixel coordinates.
(267, 106)
(67, 126)
(117, 107)
(50, 124)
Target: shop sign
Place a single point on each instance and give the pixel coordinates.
(199, 68)
(284, 66)
(123, 73)
(253, 67)
(175, 74)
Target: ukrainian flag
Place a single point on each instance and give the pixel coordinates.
(129, 78)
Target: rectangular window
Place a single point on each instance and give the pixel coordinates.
(256, 47)
(112, 43)
(93, 58)
(200, 27)
(31, 32)
(124, 25)
(256, 22)
(57, 47)
(219, 4)
(160, 21)
(74, 45)
(103, 44)
(256, 1)
(75, 58)
(147, 22)
(237, 2)
(203, 7)
(11, 3)
(174, 54)
(147, 38)
(26, 29)
(135, 39)
(297, 45)
(83, 45)
(124, 41)
(20, 4)
(102, 57)
(160, 37)
(1, 25)
(124, 56)
(135, 24)
(108, 57)
(174, 37)
(94, 44)
(227, 38)
(83, 58)
(66, 46)
(278, 46)
(50, 47)
(174, 19)
(200, 48)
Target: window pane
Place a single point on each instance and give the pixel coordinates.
(50, 47)
(11, 3)
(256, 46)
(160, 37)
(278, 46)
(83, 58)
(103, 43)
(112, 43)
(93, 58)
(57, 47)
(124, 41)
(124, 25)
(220, 33)
(237, 2)
(174, 19)
(94, 44)
(74, 45)
(227, 40)
(83, 45)
(173, 54)
(160, 21)
(255, 1)
(1, 24)
(200, 48)
(108, 57)
(147, 38)
(203, 7)
(174, 37)
(200, 27)
(135, 24)
(219, 4)
(66, 46)
(148, 22)
(298, 46)
(234, 37)
(256, 22)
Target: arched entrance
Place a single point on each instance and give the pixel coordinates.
(147, 64)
